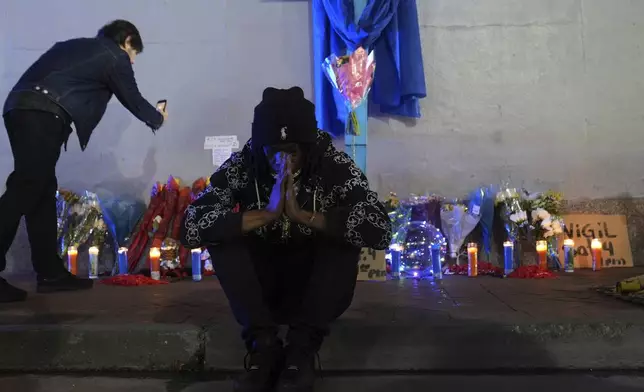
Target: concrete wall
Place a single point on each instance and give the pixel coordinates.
(546, 92)
(210, 59)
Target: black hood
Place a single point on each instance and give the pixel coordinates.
(284, 116)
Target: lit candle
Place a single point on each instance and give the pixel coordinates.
(196, 264)
(508, 257)
(472, 259)
(596, 247)
(72, 256)
(569, 255)
(395, 261)
(93, 262)
(123, 264)
(155, 268)
(542, 252)
(437, 268)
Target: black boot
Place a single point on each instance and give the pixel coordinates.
(263, 364)
(8, 293)
(63, 281)
(299, 374)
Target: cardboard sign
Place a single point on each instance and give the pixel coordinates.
(611, 230)
(372, 265)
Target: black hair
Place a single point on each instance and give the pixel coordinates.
(119, 31)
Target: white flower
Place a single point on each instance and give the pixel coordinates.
(559, 230)
(500, 197)
(540, 214)
(519, 217)
(548, 233)
(546, 223)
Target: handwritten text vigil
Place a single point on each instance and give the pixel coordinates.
(611, 230)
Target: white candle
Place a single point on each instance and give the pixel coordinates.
(93, 262)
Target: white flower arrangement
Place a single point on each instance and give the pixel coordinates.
(519, 217)
(548, 223)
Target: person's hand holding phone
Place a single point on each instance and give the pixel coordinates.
(162, 108)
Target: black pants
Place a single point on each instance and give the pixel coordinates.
(305, 286)
(36, 139)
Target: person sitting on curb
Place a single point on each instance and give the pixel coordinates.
(290, 255)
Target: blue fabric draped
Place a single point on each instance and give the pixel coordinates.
(390, 27)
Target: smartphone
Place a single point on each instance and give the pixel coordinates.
(161, 105)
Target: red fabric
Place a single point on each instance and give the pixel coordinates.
(485, 268)
(141, 236)
(531, 272)
(171, 200)
(185, 197)
(198, 186)
(131, 280)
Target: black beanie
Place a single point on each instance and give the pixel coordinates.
(284, 116)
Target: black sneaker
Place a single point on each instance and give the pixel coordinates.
(63, 282)
(298, 374)
(9, 293)
(262, 364)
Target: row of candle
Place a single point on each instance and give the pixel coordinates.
(508, 257)
(542, 253)
(155, 262)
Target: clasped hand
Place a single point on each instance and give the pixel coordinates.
(283, 199)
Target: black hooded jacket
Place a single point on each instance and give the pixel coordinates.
(337, 188)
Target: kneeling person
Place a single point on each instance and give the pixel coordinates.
(289, 256)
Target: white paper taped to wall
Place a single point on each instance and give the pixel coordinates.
(221, 146)
(220, 155)
(229, 141)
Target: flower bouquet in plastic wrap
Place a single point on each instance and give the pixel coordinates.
(120, 216)
(85, 218)
(351, 76)
(514, 216)
(526, 221)
(64, 201)
(80, 223)
(458, 221)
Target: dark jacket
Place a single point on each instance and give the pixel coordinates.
(339, 190)
(79, 76)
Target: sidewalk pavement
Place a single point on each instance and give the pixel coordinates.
(404, 383)
(460, 323)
